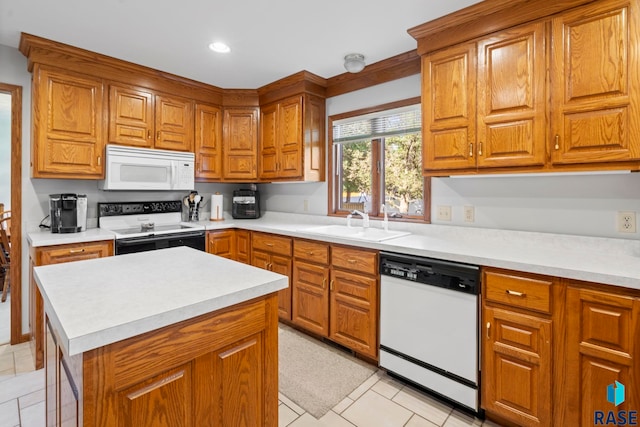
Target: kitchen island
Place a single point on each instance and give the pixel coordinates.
(173, 337)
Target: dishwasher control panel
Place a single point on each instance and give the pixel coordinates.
(435, 272)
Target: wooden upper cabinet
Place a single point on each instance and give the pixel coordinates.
(269, 142)
(208, 142)
(292, 139)
(174, 123)
(281, 139)
(449, 108)
(595, 84)
(67, 124)
(240, 142)
(139, 117)
(130, 116)
(511, 98)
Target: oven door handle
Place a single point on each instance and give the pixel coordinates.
(157, 237)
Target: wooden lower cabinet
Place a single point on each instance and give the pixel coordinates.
(517, 347)
(217, 370)
(335, 294)
(310, 286)
(603, 347)
(273, 253)
(45, 255)
(551, 349)
(232, 244)
(517, 367)
(222, 243)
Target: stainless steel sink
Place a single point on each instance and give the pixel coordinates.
(356, 233)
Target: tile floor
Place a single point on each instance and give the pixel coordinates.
(379, 401)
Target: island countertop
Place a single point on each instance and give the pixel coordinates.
(97, 302)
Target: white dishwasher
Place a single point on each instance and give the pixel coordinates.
(429, 325)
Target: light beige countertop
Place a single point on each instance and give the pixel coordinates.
(100, 301)
(596, 259)
(47, 238)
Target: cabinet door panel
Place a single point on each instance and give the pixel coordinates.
(208, 141)
(602, 347)
(221, 243)
(162, 401)
(354, 311)
(310, 286)
(282, 265)
(517, 367)
(290, 137)
(240, 141)
(68, 125)
(239, 392)
(243, 246)
(449, 108)
(511, 98)
(595, 84)
(174, 123)
(269, 142)
(130, 116)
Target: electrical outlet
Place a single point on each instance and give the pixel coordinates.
(469, 214)
(444, 213)
(305, 207)
(626, 222)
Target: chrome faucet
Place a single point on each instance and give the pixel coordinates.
(365, 218)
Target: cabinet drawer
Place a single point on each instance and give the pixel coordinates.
(355, 260)
(272, 244)
(68, 253)
(525, 291)
(311, 251)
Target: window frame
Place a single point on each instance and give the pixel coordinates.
(332, 180)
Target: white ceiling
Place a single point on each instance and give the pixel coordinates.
(269, 39)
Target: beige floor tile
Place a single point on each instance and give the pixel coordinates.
(362, 388)
(373, 409)
(286, 415)
(33, 416)
(31, 398)
(9, 414)
(460, 419)
(344, 404)
(22, 384)
(331, 419)
(306, 420)
(8, 374)
(6, 360)
(387, 386)
(291, 404)
(423, 405)
(418, 421)
(24, 362)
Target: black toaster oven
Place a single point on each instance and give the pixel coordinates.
(246, 204)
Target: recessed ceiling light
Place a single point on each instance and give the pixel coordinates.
(219, 47)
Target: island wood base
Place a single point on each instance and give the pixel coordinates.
(218, 369)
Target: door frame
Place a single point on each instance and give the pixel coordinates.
(16, 213)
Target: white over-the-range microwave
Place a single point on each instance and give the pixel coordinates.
(133, 168)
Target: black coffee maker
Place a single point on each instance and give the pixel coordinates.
(64, 213)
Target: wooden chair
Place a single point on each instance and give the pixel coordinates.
(5, 255)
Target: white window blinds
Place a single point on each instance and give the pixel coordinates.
(378, 125)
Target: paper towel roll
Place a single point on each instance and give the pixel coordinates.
(216, 207)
